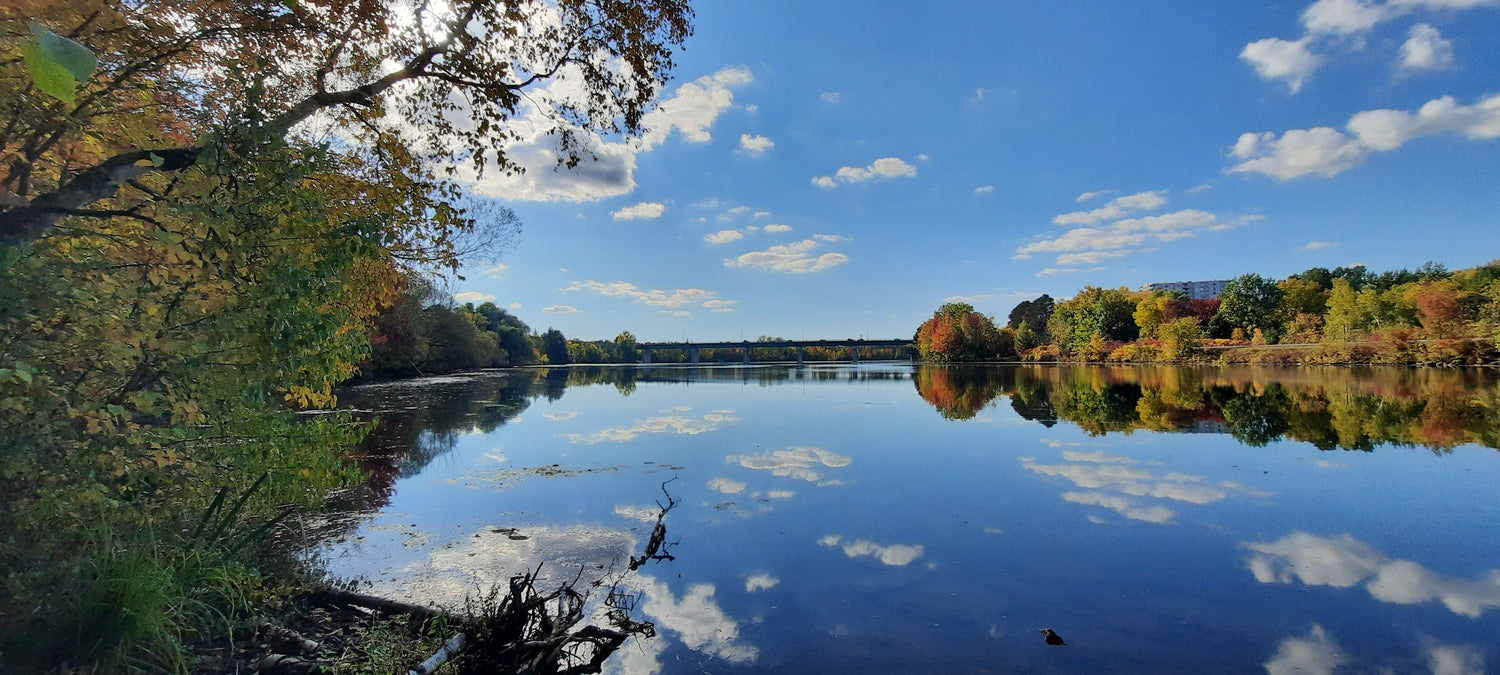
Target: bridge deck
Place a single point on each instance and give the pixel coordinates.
(780, 343)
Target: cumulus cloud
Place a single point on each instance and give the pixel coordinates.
(760, 581)
(723, 237)
(797, 462)
(1285, 60)
(726, 486)
(1426, 49)
(1316, 654)
(559, 309)
(984, 189)
(1116, 208)
(1116, 482)
(1343, 562)
(755, 145)
(1453, 659)
(689, 113)
(793, 258)
(696, 618)
(643, 210)
(515, 305)
(677, 297)
(1091, 196)
(883, 168)
(1325, 151)
(661, 424)
(777, 228)
(1090, 257)
(1315, 245)
(1132, 232)
(473, 296)
(895, 555)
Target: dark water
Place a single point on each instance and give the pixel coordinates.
(894, 518)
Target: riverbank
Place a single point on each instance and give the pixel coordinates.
(1389, 352)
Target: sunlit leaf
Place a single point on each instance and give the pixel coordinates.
(76, 58)
(49, 75)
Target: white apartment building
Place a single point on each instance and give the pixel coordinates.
(1195, 290)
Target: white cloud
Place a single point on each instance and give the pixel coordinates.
(1326, 151)
(760, 581)
(688, 112)
(1123, 505)
(923, 157)
(1316, 654)
(723, 237)
(797, 462)
(832, 237)
(830, 96)
(495, 272)
(559, 309)
(643, 210)
(883, 168)
(1343, 562)
(1315, 245)
(968, 299)
(696, 618)
(473, 296)
(1346, 16)
(678, 312)
(677, 424)
(1090, 196)
(1054, 271)
(515, 305)
(726, 486)
(677, 297)
(1198, 188)
(895, 555)
(1453, 659)
(1090, 257)
(560, 416)
(778, 228)
(761, 214)
(983, 189)
(1426, 49)
(793, 258)
(1118, 207)
(755, 145)
(1285, 60)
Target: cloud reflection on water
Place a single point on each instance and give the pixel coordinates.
(793, 462)
(660, 424)
(895, 555)
(1115, 481)
(1316, 654)
(1344, 561)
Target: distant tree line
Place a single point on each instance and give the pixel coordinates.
(1427, 314)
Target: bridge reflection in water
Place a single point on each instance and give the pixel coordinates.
(694, 349)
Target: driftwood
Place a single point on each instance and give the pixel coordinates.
(331, 596)
(450, 649)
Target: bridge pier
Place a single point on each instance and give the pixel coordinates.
(747, 353)
(854, 354)
(645, 356)
(693, 355)
(799, 356)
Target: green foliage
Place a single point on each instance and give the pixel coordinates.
(1109, 313)
(1251, 301)
(1026, 338)
(1180, 339)
(57, 64)
(555, 347)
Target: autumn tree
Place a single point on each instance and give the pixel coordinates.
(1035, 312)
(958, 333)
(1180, 339)
(436, 88)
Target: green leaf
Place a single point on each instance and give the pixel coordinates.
(76, 58)
(49, 75)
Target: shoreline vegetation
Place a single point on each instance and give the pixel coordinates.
(1348, 315)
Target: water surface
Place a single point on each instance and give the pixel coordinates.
(897, 518)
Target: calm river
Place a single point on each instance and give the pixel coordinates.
(901, 518)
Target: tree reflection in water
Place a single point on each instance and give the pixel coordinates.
(1331, 408)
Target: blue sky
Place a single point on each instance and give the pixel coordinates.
(837, 169)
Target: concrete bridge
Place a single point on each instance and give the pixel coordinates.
(692, 348)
